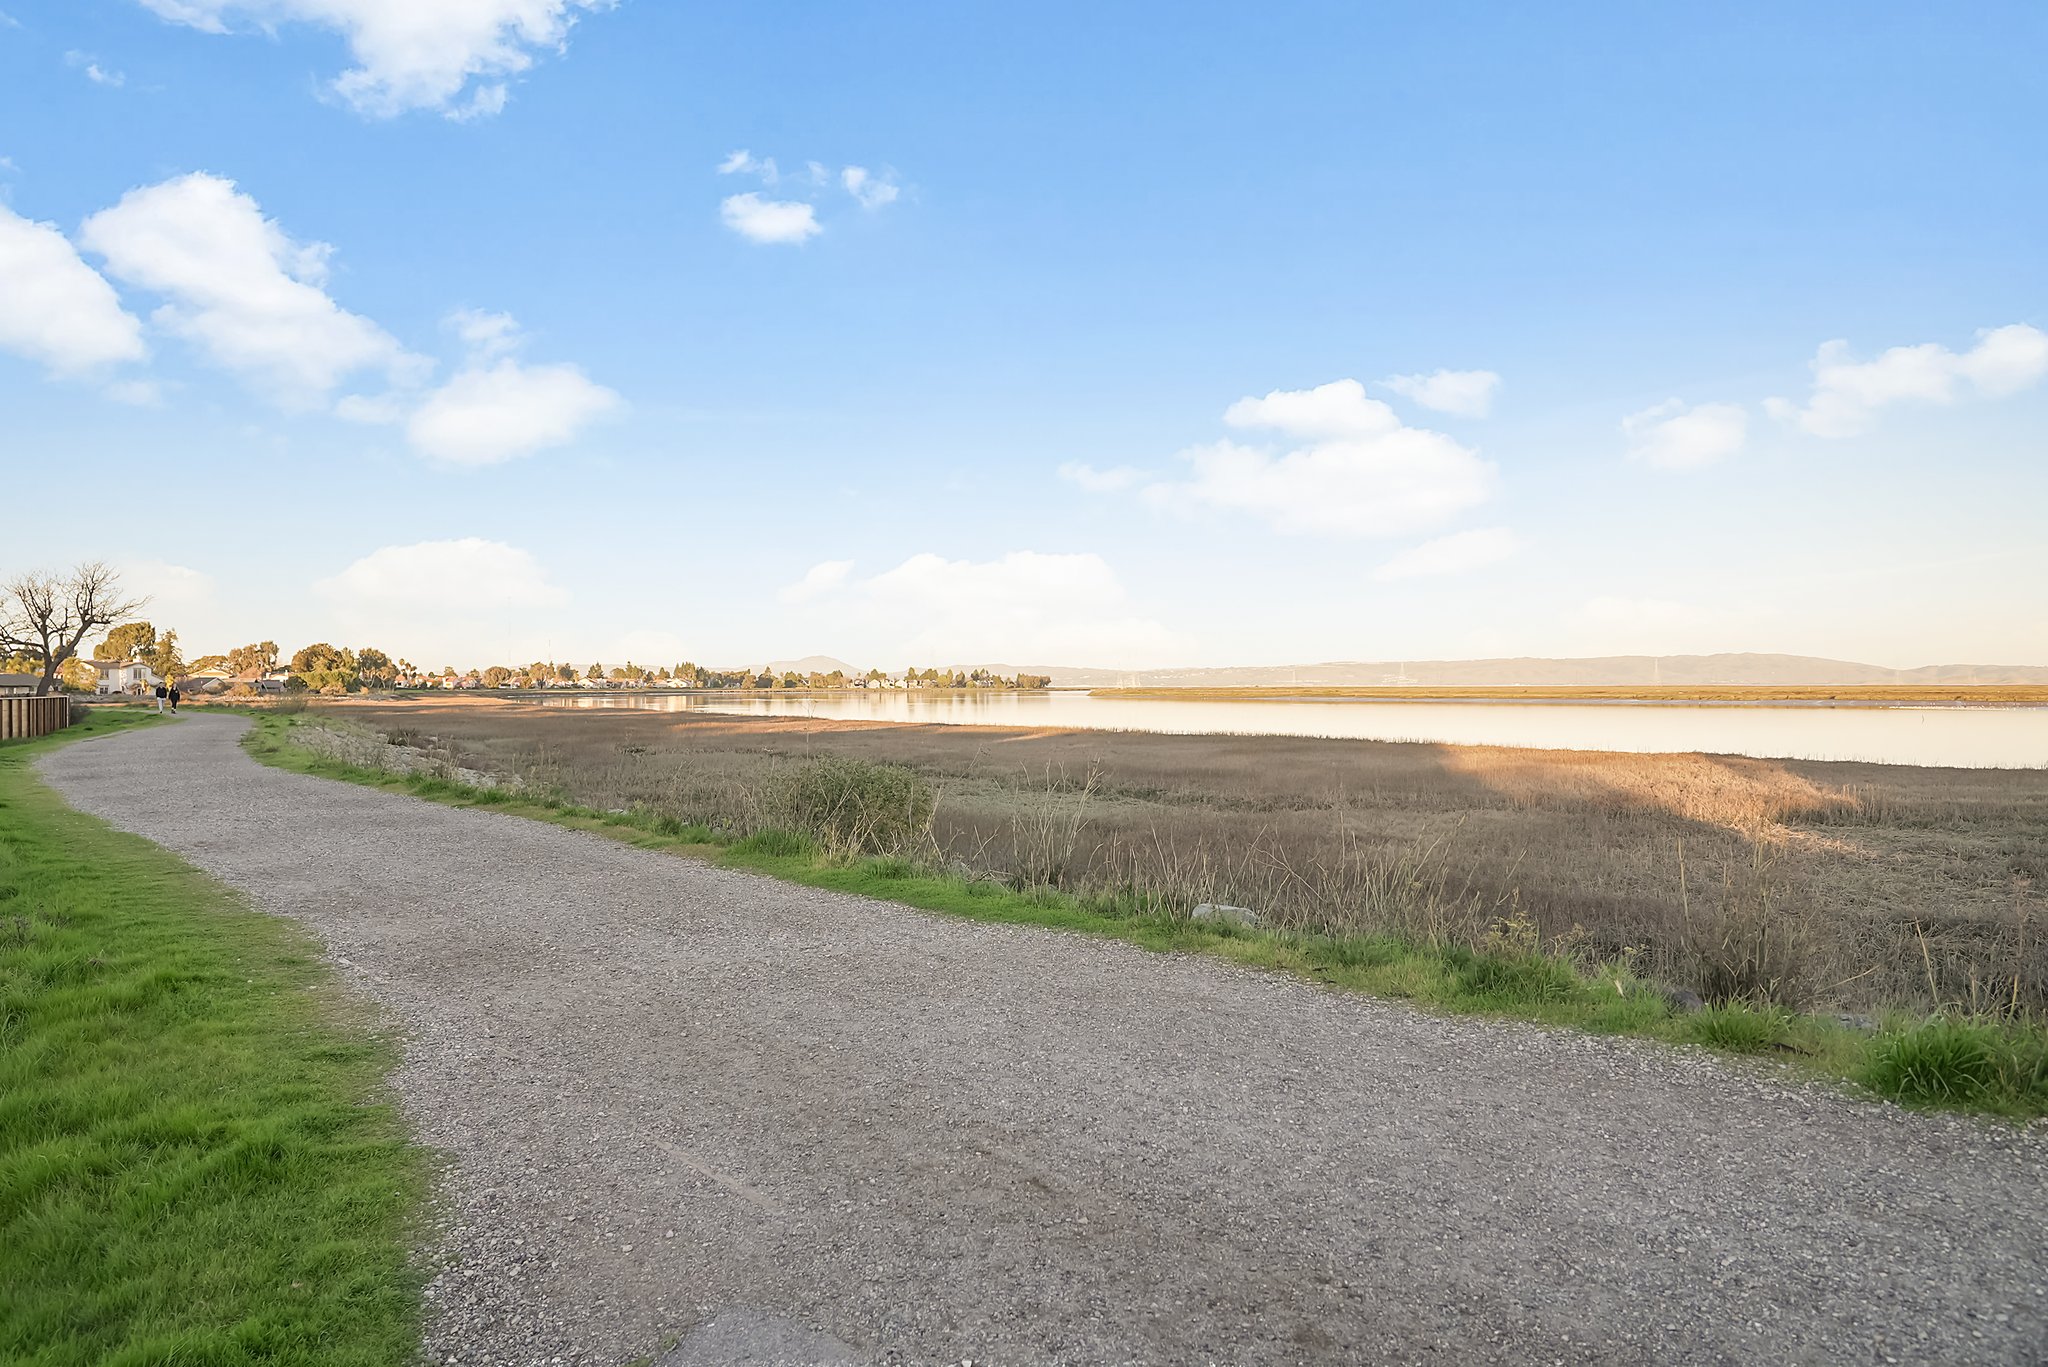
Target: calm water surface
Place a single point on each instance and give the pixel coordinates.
(1974, 737)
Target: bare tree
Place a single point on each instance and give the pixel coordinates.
(47, 617)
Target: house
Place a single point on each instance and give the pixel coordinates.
(16, 685)
(123, 676)
(214, 679)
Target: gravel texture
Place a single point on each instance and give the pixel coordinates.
(682, 1103)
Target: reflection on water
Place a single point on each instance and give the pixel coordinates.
(1973, 737)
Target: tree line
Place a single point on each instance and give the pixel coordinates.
(46, 618)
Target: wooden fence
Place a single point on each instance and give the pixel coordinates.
(21, 717)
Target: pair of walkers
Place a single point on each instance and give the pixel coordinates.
(166, 694)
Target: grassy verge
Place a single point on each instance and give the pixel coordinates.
(197, 1160)
(1973, 1065)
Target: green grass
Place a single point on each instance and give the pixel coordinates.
(1917, 1063)
(198, 1162)
(1961, 1063)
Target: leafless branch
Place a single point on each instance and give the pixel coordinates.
(47, 616)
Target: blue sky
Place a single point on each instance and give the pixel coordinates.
(1723, 328)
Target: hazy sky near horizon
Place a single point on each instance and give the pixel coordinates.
(1144, 334)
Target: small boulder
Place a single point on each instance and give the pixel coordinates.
(1684, 1000)
(1222, 911)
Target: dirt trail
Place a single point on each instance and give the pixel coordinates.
(785, 1125)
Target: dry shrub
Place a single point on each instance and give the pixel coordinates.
(1738, 941)
(852, 806)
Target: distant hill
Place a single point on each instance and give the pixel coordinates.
(1669, 670)
(812, 664)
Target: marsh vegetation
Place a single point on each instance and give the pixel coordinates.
(1775, 883)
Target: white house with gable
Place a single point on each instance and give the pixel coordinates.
(124, 676)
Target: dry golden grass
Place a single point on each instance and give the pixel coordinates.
(1810, 883)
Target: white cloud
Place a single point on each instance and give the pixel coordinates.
(1026, 607)
(492, 413)
(412, 54)
(1467, 393)
(55, 309)
(485, 334)
(1458, 553)
(819, 580)
(1847, 393)
(741, 162)
(1111, 481)
(769, 220)
(1360, 471)
(1676, 437)
(440, 579)
(872, 191)
(1338, 409)
(94, 72)
(242, 290)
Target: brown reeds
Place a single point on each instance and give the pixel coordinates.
(1805, 884)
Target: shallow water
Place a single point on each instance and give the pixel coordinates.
(1968, 737)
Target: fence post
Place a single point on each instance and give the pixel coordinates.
(23, 717)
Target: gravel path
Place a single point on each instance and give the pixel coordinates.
(786, 1125)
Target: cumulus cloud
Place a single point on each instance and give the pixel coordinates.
(1466, 393)
(441, 578)
(1847, 393)
(54, 308)
(870, 190)
(454, 56)
(769, 220)
(493, 412)
(1026, 606)
(1458, 553)
(249, 296)
(1357, 470)
(1677, 437)
(819, 580)
(253, 300)
(1111, 481)
(1339, 409)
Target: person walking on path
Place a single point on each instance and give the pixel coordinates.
(162, 693)
(175, 695)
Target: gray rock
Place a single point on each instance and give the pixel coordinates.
(1222, 911)
(1684, 1000)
